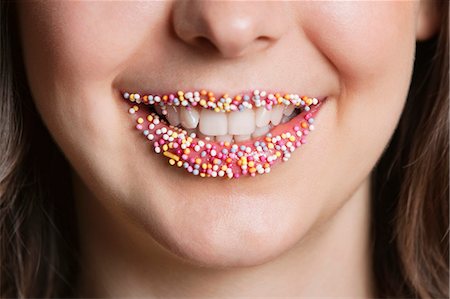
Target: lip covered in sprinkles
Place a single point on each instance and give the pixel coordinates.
(205, 158)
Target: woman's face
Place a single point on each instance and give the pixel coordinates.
(80, 56)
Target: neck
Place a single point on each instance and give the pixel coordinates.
(117, 260)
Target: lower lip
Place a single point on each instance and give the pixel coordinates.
(214, 159)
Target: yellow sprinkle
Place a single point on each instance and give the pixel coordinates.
(278, 154)
(202, 103)
(165, 147)
(202, 174)
(292, 138)
(270, 145)
(251, 164)
(180, 93)
(180, 163)
(132, 97)
(187, 151)
(136, 108)
(198, 161)
(204, 166)
(171, 161)
(150, 117)
(140, 120)
(171, 155)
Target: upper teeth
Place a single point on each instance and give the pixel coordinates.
(237, 125)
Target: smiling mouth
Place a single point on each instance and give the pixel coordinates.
(224, 136)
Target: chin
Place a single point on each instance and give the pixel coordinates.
(227, 230)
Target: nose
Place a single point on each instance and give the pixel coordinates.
(229, 28)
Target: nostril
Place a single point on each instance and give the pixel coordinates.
(205, 43)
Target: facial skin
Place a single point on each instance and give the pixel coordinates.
(137, 214)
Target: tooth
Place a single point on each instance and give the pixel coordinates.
(189, 118)
(288, 110)
(262, 116)
(224, 138)
(213, 123)
(261, 131)
(238, 138)
(277, 113)
(173, 116)
(241, 122)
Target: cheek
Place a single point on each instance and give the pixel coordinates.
(363, 39)
(72, 52)
(87, 40)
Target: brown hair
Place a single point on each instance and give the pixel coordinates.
(38, 237)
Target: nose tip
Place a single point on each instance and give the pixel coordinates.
(230, 28)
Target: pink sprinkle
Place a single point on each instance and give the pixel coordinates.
(184, 157)
(161, 141)
(139, 127)
(296, 128)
